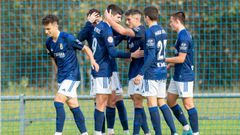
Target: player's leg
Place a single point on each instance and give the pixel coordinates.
(122, 113)
(92, 93)
(164, 107)
(101, 86)
(64, 91)
(172, 97)
(186, 89)
(110, 113)
(78, 115)
(59, 101)
(140, 119)
(150, 92)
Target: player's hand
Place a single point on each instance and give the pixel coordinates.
(169, 66)
(137, 54)
(93, 17)
(107, 14)
(138, 79)
(128, 60)
(95, 66)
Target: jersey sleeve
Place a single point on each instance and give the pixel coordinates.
(48, 47)
(75, 43)
(86, 32)
(109, 42)
(183, 46)
(150, 51)
(139, 32)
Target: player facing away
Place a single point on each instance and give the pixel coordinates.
(86, 33)
(135, 39)
(103, 47)
(155, 72)
(182, 83)
(62, 48)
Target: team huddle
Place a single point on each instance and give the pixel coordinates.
(147, 71)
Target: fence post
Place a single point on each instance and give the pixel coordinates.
(22, 113)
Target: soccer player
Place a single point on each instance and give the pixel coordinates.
(136, 38)
(86, 33)
(182, 83)
(155, 72)
(62, 48)
(103, 47)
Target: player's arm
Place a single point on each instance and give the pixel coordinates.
(89, 53)
(117, 27)
(113, 52)
(150, 47)
(178, 59)
(55, 68)
(86, 31)
(76, 44)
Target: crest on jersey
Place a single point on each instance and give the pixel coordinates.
(61, 46)
(183, 46)
(110, 39)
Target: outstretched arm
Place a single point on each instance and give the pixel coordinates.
(117, 27)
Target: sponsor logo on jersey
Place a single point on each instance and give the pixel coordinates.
(150, 42)
(183, 46)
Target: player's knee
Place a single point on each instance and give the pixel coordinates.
(188, 105)
(171, 103)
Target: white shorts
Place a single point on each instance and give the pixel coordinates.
(154, 88)
(115, 84)
(135, 89)
(100, 85)
(183, 89)
(68, 88)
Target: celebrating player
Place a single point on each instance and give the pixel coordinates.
(62, 48)
(155, 72)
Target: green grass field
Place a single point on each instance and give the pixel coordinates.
(218, 116)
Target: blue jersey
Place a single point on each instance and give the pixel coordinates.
(133, 43)
(184, 44)
(154, 67)
(64, 53)
(103, 47)
(117, 40)
(86, 33)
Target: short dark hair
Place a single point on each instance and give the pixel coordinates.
(92, 11)
(115, 9)
(179, 16)
(50, 19)
(151, 12)
(133, 12)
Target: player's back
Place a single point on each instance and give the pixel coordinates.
(156, 38)
(184, 44)
(65, 56)
(100, 42)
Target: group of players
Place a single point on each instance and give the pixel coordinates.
(147, 71)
